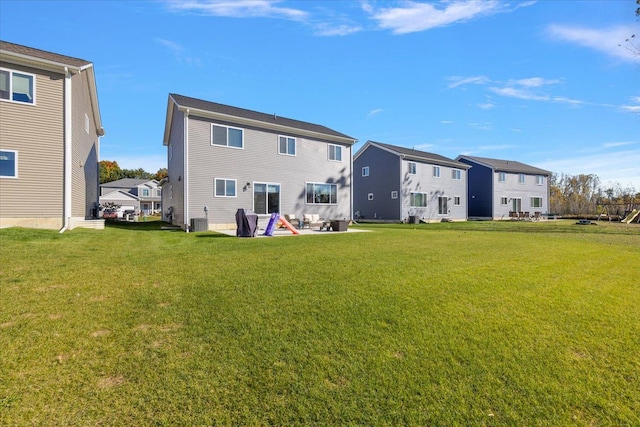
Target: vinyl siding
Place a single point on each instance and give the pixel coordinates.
(384, 177)
(259, 161)
(511, 189)
(173, 191)
(36, 132)
(480, 190)
(84, 156)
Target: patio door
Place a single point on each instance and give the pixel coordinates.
(516, 205)
(266, 198)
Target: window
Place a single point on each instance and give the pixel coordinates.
(8, 164)
(539, 180)
(266, 198)
(536, 202)
(365, 171)
(436, 171)
(502, 177)
(225, 187)
(418, 200)
(286, 145)
(17, 87)
(335, 153)
(442, 205)
(370, 196)
(504, 201)
(456, 174)
(394, 194)
(322, 194)
(456, 200)
(227, 136)
(412, 168)
(521, 178)
(86, 123)
(145, 192)
(158, 192)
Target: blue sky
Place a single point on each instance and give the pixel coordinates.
(542, 82)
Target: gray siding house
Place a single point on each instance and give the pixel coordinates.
(223, 158)
(397, 183)
(500, 188)
(49, 140)
(141, 195)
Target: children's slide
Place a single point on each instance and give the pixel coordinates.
(288, 226)
(632, 216)
(272, 224)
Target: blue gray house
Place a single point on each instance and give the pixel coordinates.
(402, 184)
(501, 189)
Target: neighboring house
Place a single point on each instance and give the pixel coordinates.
(396, 183)
(141, 195)
(49, 140)
(222, 158)
(499, 187)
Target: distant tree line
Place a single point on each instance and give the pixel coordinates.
(584, 195)
(111, 171)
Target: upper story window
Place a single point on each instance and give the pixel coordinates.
(158, 192)
(16, 86)
(335, 153)
(539, 180)
(502, 177)
(394, 194)
(436, 171)
(412, 168)
(225, 187)
(227, 136)
(322, 194)
(521, 178)
(287, 145)
(8, 164)
(365, 171)
(145, 192)
(456, 174)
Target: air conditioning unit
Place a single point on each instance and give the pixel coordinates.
(199, 224)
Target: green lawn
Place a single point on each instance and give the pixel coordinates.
(478, 323)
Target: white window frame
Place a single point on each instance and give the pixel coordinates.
(446, 205)
(267, 185)
(226, 181)
(456, 174)
(412, 199)
(521, 178)
(370, 196)
(394, 194)
(214, 125)
(333, 190)
(287, 139)
(533, 205)
(504, 201)
(334, 153)
(456, 200)
(413, 167)
(15, 164)
(365, 171)
(10, 91)
(145, 190)
(539, 180)
(158, 192)
(502, 177)
(436, 171)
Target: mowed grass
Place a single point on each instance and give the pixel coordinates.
(478, 323)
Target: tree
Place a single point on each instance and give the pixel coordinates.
(574, 194)
(109, 171)
(136, 173)
(162, 173)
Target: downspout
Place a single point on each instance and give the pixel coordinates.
(66, 208)
(185, 172)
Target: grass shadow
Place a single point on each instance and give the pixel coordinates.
(138, 226)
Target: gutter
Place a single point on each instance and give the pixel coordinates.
(66, 192)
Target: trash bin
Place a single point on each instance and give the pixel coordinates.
(413, 219)
(339, 225)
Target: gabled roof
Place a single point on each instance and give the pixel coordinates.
(119, 195)
(416, 155)
(229, 113)
(44, 60)
(125, 183)
(506, 165)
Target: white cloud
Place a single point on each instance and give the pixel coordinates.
(486, 106)
(617, 144)
(326, 29)
(519, 93)
(610, 166)
(375, 112)
(238, 8)
(416, 16)
(423, 147)
(178, 51)
(533, 82)
(631, 108)
(460, 81)
(446, 122)
(606, 40)
(481, 126)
